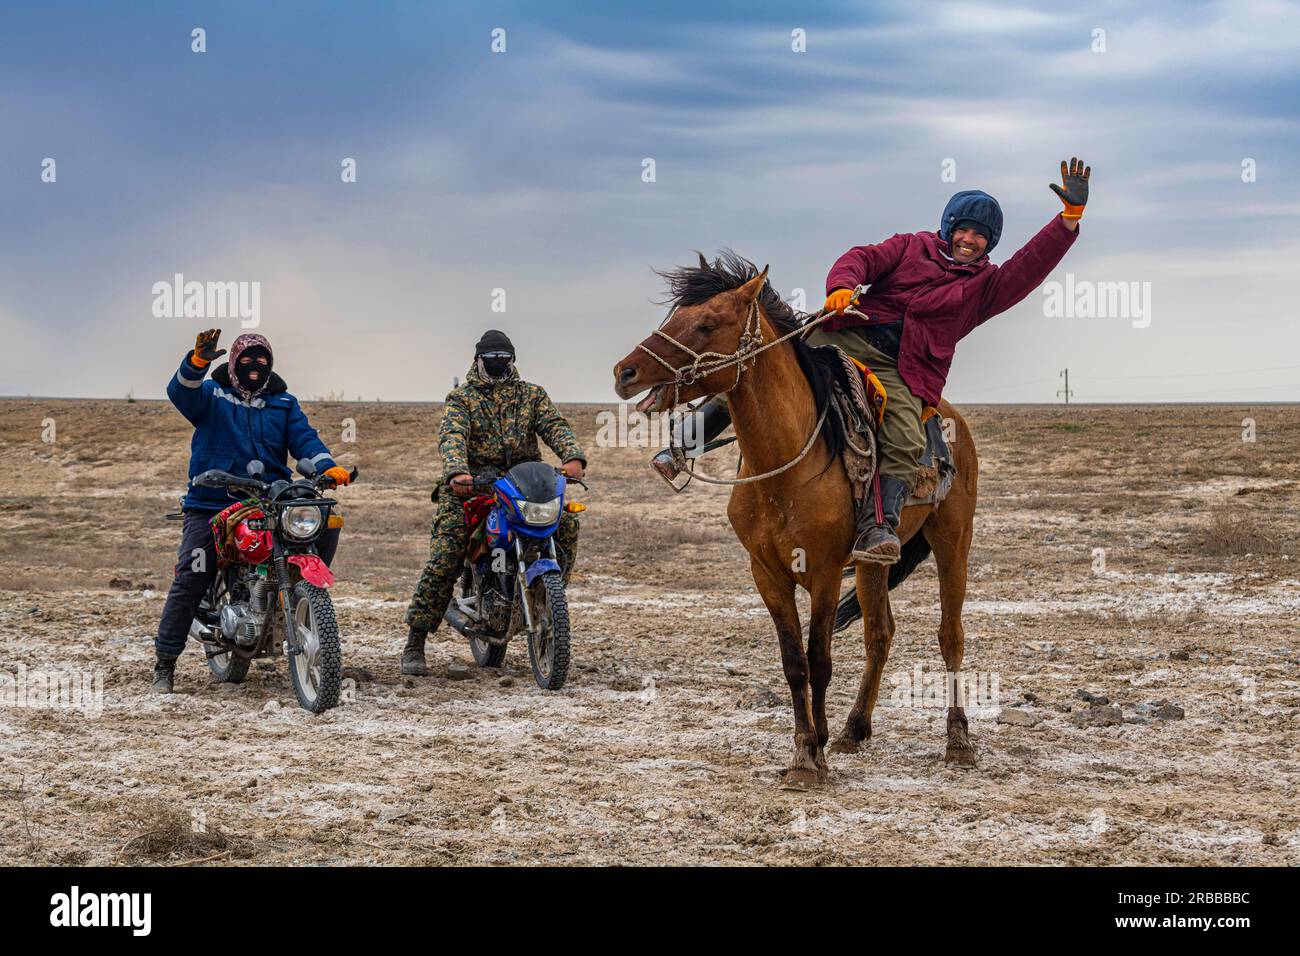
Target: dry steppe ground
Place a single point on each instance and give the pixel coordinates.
(667, 743)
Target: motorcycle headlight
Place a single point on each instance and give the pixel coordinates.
(301, 522)
(542, 513)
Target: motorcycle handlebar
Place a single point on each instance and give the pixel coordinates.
(216, 478)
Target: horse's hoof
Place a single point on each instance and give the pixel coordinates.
(960, 756)
(802, 779)
(845, 745)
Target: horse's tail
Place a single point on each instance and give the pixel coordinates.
(916, 550)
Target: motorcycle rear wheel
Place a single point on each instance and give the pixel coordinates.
(227, 667)
(485, 654)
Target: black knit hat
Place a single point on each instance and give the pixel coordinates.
(494, 341)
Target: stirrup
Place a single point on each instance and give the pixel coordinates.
(860, 553)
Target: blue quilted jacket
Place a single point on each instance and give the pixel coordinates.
(230, 431)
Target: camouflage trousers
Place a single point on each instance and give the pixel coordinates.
(448, 539)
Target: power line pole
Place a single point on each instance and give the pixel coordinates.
(1065, 391)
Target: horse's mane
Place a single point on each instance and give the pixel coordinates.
(692, 285)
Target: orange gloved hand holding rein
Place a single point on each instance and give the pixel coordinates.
(838, 300)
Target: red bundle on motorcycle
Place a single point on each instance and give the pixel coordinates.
(476, 512)
(235, 540)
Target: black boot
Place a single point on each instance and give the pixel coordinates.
(413, 662)
(164, 669)
(878, 543)
(714, 417)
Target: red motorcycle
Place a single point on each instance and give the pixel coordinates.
(270, 563)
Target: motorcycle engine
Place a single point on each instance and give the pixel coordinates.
(242, 622)
(495, 609)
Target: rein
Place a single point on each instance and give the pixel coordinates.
(704, 364)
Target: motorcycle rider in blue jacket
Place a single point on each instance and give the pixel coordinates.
(241, 414)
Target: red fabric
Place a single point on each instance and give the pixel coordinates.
(476, 509)
(940, 301)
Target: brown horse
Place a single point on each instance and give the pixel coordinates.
(798, 525)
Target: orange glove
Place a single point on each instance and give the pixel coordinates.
(838, 300)
(205, 348)
(1073, 191)
(338, 474)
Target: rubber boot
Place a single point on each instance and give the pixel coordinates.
(413, 662)
(164, 671)
(878, 543)
(714, 417)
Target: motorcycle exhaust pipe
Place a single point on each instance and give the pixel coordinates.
(202, 633)
(457, 620)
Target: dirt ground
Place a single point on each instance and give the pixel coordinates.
(667, 743)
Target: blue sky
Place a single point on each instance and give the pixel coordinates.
(522, 171)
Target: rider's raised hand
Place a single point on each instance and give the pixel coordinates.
(339, 475)
(838, 300)
(205, 348)
(1073, 191)
(574, 468)
(462, 484)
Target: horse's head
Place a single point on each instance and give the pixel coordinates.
(714, 309)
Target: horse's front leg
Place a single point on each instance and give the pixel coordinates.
(824, 590)
(776, 587)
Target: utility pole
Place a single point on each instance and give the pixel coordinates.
(1065, 391)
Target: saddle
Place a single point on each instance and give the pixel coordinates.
(859, 403)
(937, 468)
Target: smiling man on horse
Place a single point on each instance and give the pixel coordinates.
(731, 339)
(928, 290)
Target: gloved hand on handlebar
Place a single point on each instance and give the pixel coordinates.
(339, 475)
(838, 300)
(205, 348)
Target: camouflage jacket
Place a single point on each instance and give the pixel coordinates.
(495, 425)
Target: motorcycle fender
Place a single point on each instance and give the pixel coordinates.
(540, 566)
(314, 570)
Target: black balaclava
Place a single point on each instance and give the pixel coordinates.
(240, 371)
(495, 355)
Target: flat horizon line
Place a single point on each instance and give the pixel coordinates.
(393, 401)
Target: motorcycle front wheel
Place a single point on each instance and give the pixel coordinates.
(316, 670)
(548, 639)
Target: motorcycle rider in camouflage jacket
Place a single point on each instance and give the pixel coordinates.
(489, 425)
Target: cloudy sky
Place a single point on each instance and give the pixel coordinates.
(522, 171)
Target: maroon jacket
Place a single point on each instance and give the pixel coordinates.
(940, 301)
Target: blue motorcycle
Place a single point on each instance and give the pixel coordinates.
(514, 574)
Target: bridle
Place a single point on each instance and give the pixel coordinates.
(704, 364)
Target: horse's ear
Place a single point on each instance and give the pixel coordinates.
(704, 263)
(751, 289)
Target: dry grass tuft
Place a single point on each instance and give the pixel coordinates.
(161, 831)
(1232, 532)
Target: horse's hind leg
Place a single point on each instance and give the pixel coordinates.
(808, 766)
(950, 539)
(878, 633)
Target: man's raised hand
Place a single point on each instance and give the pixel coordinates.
(205, 348)
(1073, 191)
